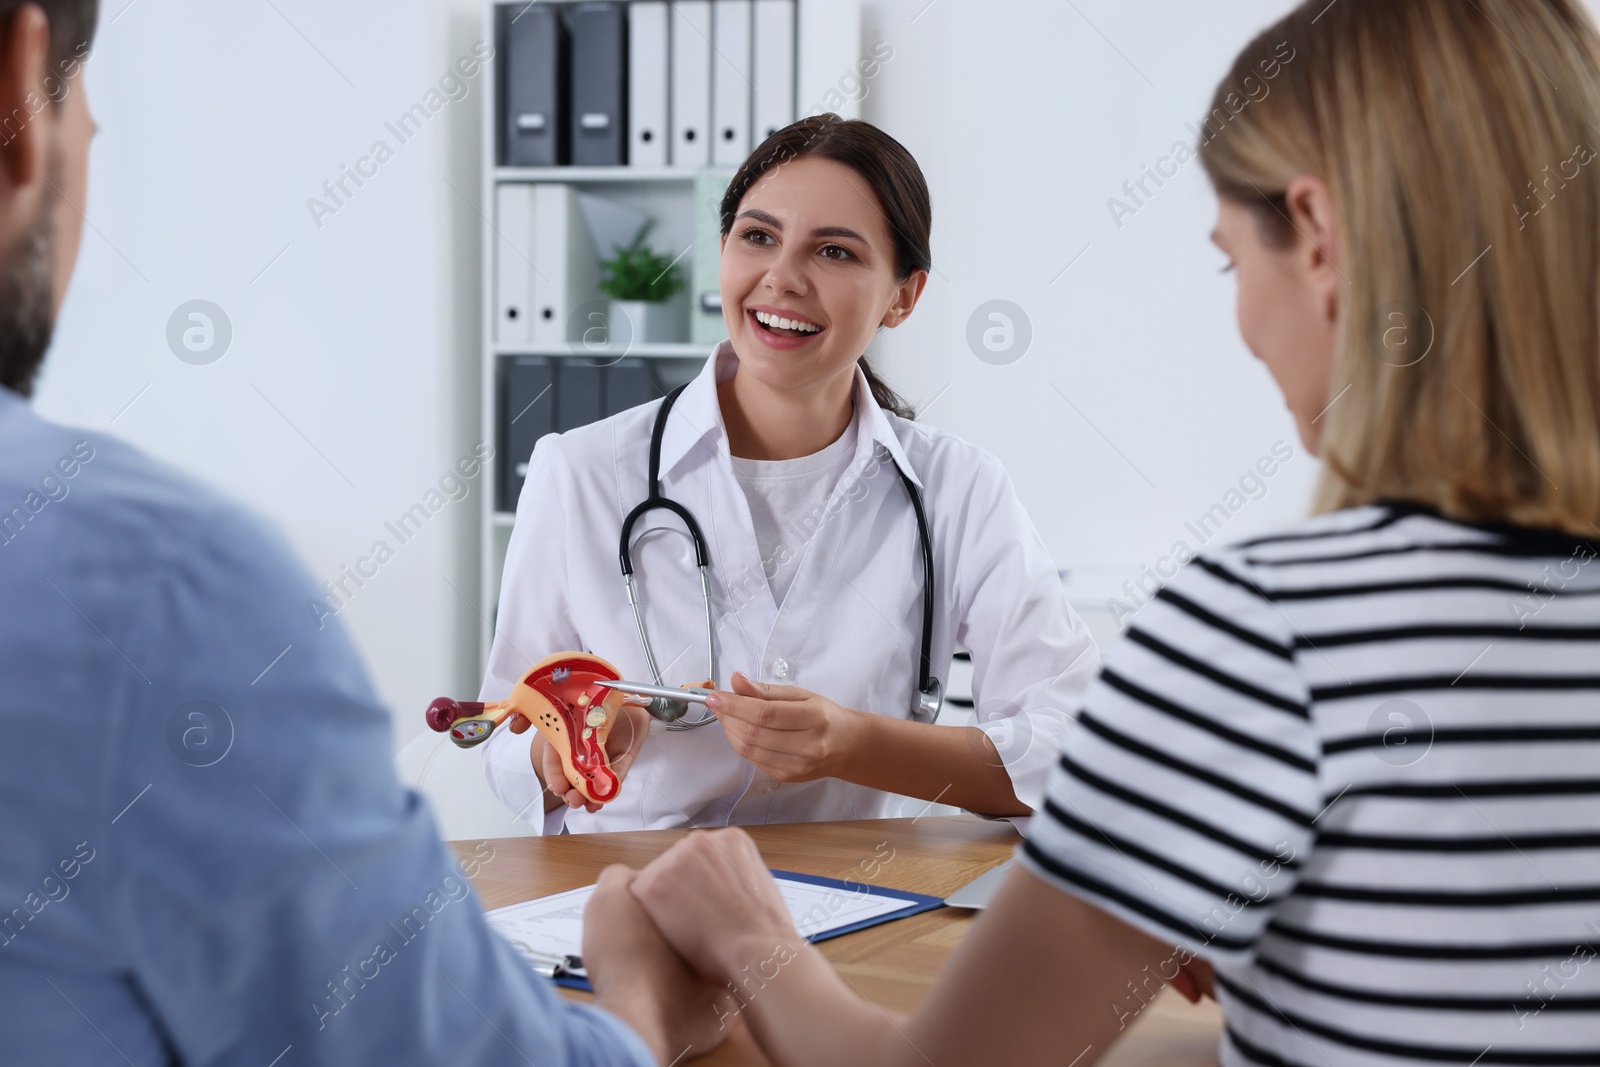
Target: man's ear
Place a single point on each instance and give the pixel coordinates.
(24, 59)
(1311, 211)
(905, 298)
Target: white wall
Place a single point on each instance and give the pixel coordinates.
(1027, 118)
(354, 353)
(350, 386)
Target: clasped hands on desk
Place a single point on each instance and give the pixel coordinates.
(894, 964)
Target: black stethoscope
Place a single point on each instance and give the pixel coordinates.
(929, 696)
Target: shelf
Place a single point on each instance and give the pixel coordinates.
(645, 351)
(827, 39)
(656, 175)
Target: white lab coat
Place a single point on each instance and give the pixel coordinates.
(848, 629)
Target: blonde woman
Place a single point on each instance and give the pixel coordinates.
(1354, 766)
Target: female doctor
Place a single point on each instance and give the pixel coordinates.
(805, 475)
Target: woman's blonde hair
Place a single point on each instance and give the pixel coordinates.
(1455, 139)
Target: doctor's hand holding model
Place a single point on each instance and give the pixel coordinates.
(848, 549)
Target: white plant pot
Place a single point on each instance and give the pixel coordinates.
(646, 321)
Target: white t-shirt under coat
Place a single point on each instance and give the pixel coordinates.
(788, 498)
(848, 626)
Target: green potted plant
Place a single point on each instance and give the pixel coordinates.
(641, 284)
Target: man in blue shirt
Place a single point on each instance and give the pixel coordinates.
(205, 856)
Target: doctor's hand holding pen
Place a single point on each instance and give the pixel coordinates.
(794, 735)
(789, 733)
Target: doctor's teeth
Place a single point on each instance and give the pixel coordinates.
(780, 323)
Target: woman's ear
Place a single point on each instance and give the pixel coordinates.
(1321, 254)
(905, 299)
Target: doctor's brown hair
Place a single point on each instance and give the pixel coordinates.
(1457, 144)
(885, 165)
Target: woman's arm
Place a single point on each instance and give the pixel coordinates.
(796, 736)
(956, 765)
(1041, 978)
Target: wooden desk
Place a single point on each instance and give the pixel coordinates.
(894, 964)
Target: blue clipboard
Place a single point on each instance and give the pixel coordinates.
(915, 903)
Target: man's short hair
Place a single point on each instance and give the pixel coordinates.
(72, 25)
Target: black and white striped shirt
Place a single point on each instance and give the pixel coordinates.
(1357, 767)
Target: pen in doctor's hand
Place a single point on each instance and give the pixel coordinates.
(788, 732)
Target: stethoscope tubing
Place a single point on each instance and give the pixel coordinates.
(929, 698)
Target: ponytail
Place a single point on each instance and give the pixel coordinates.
(886, 398)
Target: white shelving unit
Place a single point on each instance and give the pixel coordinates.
(587, 175)
(651, 351)
(828, 47)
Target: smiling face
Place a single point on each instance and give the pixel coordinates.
(808, 276)
(1288, 298)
